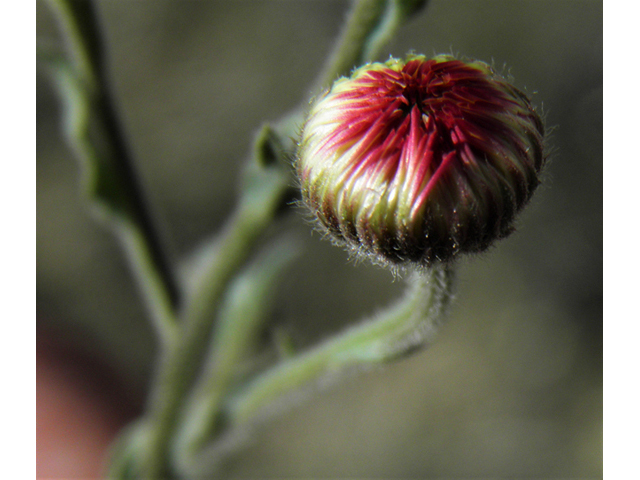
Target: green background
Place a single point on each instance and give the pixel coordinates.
(513, 384)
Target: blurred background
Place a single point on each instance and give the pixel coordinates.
(513, 384)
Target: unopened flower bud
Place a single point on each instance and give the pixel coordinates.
(418, 160)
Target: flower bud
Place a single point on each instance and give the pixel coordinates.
(418, 160)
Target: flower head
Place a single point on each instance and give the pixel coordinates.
(417, 160)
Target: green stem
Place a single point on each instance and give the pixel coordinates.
(183, 353)
(348, 53)
(371, 24)
(78, 23)
(241, 317)
(111, 183)
(402, 328)
(262, 197)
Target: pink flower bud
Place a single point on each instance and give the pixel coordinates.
(416, 161)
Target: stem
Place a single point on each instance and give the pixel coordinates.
(178, 368)
(78, 24)
(149, 240)
(258, 206)
(348, 53)
(402, 328)
(371, 24)
(112, 184)
(117, 195)
(241, 317)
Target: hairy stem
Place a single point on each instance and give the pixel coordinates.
(402, 328)
(111, 183)
(406, 326)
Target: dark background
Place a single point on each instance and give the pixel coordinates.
(512, 386)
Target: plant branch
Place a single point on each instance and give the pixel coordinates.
(110, 181)
(266, 183)
(397, 331)
(242, 314)
(115, 194)
(370, 25)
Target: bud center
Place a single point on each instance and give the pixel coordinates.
(413, 94)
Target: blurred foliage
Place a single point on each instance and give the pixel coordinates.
(513, 385)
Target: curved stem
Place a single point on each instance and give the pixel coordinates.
(360, 38)
(116, 193)
(111, 182)
(404, 327)
(400, 329)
